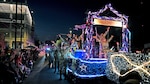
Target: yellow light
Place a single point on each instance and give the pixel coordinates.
(107, 22)
(140, 67)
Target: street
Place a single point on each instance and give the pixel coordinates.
(42, 74)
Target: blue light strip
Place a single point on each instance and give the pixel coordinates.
(85, 76)
(98, 61)
(91, 72)
(92, 60)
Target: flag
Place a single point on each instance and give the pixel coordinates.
(83, 26)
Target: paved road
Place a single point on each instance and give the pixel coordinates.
(41, 74)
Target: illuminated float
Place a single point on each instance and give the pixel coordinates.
(86, 68)
(110, 67)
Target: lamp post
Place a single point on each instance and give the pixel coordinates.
(16, 25)
(32, 29)
(21, 27)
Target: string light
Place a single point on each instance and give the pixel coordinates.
(132, 64)
(128, 62)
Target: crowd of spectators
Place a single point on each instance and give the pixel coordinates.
(16, 64)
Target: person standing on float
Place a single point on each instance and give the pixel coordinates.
(103, 43)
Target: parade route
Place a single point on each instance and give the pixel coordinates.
(41, 74)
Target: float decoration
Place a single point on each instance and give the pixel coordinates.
(116, 61)
(128, 62)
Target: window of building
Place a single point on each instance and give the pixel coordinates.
(18, 16)
(5, 15)
(4, 25)
(18, 34)
(18, 25)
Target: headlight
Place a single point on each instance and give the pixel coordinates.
(47, 48)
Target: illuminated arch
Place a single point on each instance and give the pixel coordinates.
(121, 21)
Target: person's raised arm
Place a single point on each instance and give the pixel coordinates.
(54, 44)
(97, 38)
(110, 38)
(62, 39)
(77, 38)
(106, 32)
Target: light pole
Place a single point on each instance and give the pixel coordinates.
(21, 27)
(32, 29)
(16, 25)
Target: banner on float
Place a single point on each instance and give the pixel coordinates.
(107, 22)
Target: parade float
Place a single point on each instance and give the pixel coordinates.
(111, 67)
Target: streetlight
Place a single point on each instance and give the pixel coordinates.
(70, 31)
(32, 29)
(21, 27)
(16, 25)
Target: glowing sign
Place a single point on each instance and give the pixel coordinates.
(107, 22)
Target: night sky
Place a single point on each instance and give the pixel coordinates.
(53, 17)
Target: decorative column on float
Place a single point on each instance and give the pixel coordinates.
(126, 36)
(89, 34)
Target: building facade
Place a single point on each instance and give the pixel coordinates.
(16, 23)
